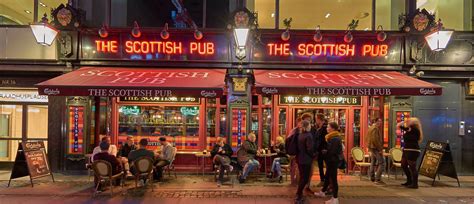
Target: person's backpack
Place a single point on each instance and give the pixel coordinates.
(291, 144)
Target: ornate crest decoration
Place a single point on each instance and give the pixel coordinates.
(419, 22)
(66, 17)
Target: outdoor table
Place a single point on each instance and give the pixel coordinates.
(203, 156)
(265, 156)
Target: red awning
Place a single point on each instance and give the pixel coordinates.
(162, 82)
(353, 83)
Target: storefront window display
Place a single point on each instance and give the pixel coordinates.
(22, 12)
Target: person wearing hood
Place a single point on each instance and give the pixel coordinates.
(333, 158)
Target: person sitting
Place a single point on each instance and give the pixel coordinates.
(221, 154)
(124, 152)
(106, 156)
(112, 148)
(246, 156)
(164, 159)
(281, 158)
(140, 152)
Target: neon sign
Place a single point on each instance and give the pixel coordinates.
(155, 47)
(189, 110)
(327, 49)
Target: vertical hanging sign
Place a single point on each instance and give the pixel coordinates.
(76, 129)
(239, 126)
(401, 116)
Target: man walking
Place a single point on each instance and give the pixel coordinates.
(375, 144)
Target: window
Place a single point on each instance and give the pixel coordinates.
(37, 127)
(267, 127)
(282, 127)
(10, 130)
(330, 15)
(455, 14)
(265, 10)
(387, 12)
(179, 124)
(21, 12)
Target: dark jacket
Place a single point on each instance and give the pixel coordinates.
(375, 138)
(411, 138)
(226, 148)
(135, 154)
(320, 135)
(305, 148)
(126, 149)
(334, 148)
(116, 167)
(247, 152)
(281, 154)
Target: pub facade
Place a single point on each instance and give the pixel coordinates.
(192, 86)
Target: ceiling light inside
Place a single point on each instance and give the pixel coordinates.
(27, 11)
(42, 4)
(327, 15)
(273, 15)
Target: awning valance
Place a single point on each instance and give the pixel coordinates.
(351, 83)
(136, 82)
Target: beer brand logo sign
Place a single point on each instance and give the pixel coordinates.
(437, 146)
(428, 91)
(266, 90)
(208, 94)
(48, 91)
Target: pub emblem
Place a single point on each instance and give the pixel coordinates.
(420, 21)
(266, 90)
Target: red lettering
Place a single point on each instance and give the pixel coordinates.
(106, 46)
(278, 49)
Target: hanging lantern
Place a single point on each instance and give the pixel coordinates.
(198, 34)
(136, 33)
(285, 36)
(318, 37)
(439, 38)
(164, 33)
(103, 33)
(44, 33)
(348, 37)
(381, 35)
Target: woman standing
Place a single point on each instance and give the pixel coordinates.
(334, 157)
(411, 151)
(281, 158)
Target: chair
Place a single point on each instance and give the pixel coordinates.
(286, 168)
(170, 167)
(103, 172)
(143, 169)
(90, 171)
(396, 159)
(359, 159)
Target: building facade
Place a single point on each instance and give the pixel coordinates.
(243, 95)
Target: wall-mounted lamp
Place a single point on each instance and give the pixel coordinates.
(381, 35)
(44, 33)
(439, 38)
(241, 38)
(103, 33)
(198, 34)
(136, 33)
(164, 33)
(318, 37)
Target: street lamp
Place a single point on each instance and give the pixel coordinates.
(44, 33)
(241, 38)
(439, 38)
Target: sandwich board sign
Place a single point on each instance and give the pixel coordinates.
(437, 160)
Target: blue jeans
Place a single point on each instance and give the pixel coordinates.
(252, 163)
(276, 167)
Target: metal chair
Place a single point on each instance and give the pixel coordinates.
(359, 159)
(287, 168)
(103, 172)
(143, 167)
(170, 167)
(396, 159)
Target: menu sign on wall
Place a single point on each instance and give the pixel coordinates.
(321, 100)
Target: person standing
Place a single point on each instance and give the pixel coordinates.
(246, 156)
(221, 154)
(308, 117)
(321, 133)
(411, 151)
(334, 156)
(304, 158)
(280, 158)
(375, 144)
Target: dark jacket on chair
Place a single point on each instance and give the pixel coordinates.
(305, 148)
(105, 156)
(247, 152)
(226, 148)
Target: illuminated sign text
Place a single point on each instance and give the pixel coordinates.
(327, 49)
(321, 100)
(155, 47)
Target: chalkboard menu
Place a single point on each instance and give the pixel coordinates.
(31, 161)
(437, 160)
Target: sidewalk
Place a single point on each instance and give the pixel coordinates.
(198, 189)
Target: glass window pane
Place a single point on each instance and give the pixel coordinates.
(45, 6)
(10, 127)
(265, 10)
(211, 122)
(330, 15)
(222, 122)
(254, 127)
(356, 128)
(455, 14)
(267, 127)
(16, 12)
(37, 122)
(180, 124)
(282, 128)
(387, 12)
